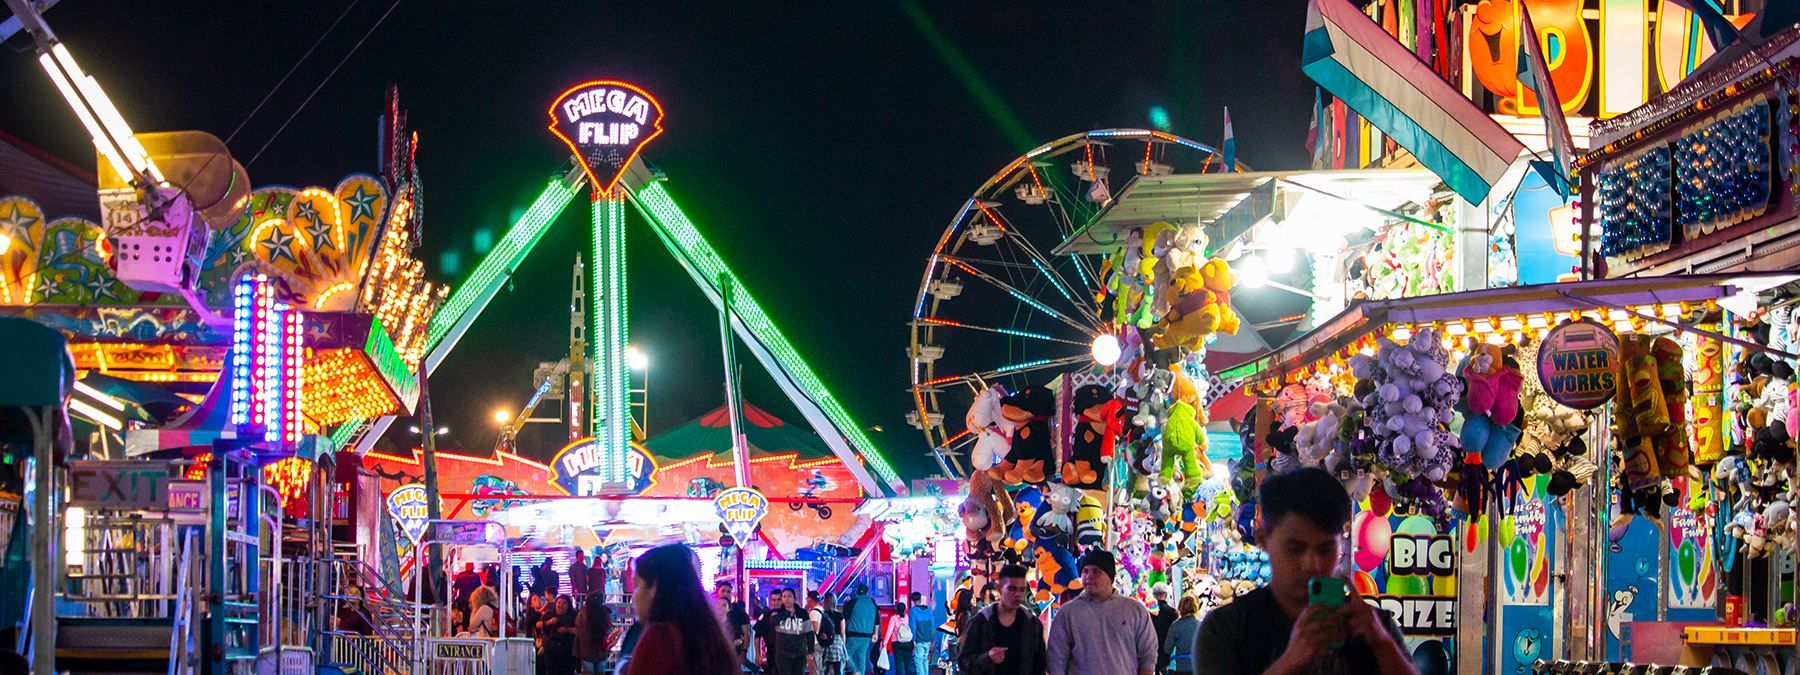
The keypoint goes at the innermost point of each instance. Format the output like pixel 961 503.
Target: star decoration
pixel 14 224
pixel 281 245
pixel 101 288
pixel 321 235
pixel 305 211
pixel 362 204
pixel 238 256
pixel 49 286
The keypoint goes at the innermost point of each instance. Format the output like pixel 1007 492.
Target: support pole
pixel 435 558
pixel 47 559
pixel 609 312
pixel 740 451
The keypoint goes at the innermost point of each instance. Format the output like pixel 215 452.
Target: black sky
pixel 822 149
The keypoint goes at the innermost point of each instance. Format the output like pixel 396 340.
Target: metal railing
pixel 290 604
pixel 356 588
pixel 368 653
pixel 181 639
pixel 125 567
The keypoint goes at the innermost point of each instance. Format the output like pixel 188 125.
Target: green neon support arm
pixel 472 297
pixel 754 327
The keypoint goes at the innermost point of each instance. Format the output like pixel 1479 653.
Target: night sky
pixel 822 151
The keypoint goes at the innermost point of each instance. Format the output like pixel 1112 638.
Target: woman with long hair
pixel 557 632
pixel 681 635
pixel 1180 652
pixel 484 617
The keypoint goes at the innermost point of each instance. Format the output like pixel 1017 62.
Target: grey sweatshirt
pixel 1090 637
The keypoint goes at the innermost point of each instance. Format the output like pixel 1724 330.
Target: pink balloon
pixel 1372 535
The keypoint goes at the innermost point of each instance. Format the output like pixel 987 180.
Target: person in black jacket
pixel 1004 638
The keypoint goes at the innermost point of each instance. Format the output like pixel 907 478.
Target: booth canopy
pixel 1365 317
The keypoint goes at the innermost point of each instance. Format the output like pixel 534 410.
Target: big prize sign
pixel 606 123
pixel 741 509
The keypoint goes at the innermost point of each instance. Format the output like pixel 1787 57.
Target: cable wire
pixel 322 83
pixel 290 72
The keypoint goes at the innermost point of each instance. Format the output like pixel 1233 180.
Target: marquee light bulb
pixel 1106 350
pixel 1280 259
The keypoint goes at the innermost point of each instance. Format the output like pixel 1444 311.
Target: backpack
pixel 828 628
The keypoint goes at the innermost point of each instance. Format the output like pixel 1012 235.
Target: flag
pixel 1719 30
pixel 1352 58
pixel 1312 130
pixel 1534 74
pixel 1230 145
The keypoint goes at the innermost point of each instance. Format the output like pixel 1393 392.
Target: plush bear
pixel 993 431
pixel 1032 458
pixel 986 514
pixel 1199 312
pixel 1056 571
pixel 1089 442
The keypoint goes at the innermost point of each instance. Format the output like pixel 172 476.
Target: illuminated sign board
pixel 409 505
pixel 1579 364
pixel 576 470
pixel 741 509
pixel 606 123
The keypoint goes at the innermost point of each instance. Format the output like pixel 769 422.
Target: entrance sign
pixel 606 123
pixel 741 508
pixel 1579 364
pixel 459 650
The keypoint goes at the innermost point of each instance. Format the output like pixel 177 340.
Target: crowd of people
pixel 1098 631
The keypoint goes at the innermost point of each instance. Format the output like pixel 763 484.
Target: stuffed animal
pixel 1153 399
pixel 1182 442
pixel 1159 501
pixel 985 513
pixel 1088 451
pixel 1406 401
pixel 1649 414
pixel 1032 457
pixel 1089 519
pixel 993 431
pixel 1056 520
pixel 1317 439
pixel 1202 311
pixel 1056 570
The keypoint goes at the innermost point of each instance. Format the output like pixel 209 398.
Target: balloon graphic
pixel 1527 644
pixel 1507 531
pixel 1380 503
pixel 1518 556
pixel 1416 525
pixel 1373 535
pixel 1408 586
pixel 1644 569
pixel 1685 564
pixel 1431 658
pixel 1364 584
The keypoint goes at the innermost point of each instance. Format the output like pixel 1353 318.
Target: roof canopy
pixel 710 434
pixel 1366 317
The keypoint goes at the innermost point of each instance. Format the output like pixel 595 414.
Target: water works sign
pixel 1579 364
pixel 577 470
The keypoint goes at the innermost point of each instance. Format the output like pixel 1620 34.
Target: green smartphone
pixel 1327 591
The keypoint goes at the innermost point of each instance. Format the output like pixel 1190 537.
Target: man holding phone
pixel 1294 626
pixel 1003 638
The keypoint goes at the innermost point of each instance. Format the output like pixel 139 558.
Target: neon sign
pixel 265 363
pixel 576 470
pixel 741 509
pixel 408 504
pixel 606 123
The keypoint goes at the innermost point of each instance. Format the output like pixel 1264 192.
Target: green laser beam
pixel 971 80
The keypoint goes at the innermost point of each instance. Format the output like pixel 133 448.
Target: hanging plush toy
pixel 1491 405
pixel 1056 520
pixel 1032 457
pixel 1650 417
pixel 1184 441
pixel 1198 312
pixel 1089 446
pixel 1056 570
pixel 985 515
pixel 1089 519
pixel 992 430
pixel 1407 405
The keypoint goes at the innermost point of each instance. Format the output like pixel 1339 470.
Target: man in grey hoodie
pixel 1101 632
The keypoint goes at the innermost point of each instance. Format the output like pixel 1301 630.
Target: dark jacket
pixel 978 638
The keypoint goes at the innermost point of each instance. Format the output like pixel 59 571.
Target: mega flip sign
pixel 606 123
pixel 741 509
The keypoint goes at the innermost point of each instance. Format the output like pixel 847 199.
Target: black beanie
pixel 1101 559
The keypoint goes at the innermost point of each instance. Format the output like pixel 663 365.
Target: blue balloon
pixel 1431 657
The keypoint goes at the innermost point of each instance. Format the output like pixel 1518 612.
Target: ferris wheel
pixel 1003 300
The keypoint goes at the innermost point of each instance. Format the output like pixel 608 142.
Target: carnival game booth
pixel 1492 438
